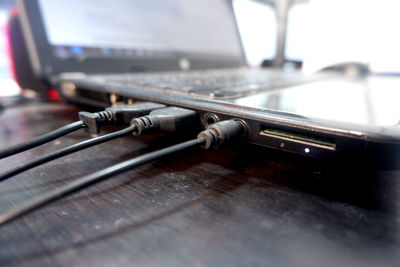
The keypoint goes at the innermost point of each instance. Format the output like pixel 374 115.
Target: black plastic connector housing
pixel 116 116
pixel 165 120
pixel 94 121
pixel 222 132
pixel 122 115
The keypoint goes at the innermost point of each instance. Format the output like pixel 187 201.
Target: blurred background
pixel 7 84
pixel 304 35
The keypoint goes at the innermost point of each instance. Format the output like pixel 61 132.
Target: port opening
pixel 210 119
pixel 105 98
pixel 301 138
pixel 92 95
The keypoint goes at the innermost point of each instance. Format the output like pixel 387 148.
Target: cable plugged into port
pixel 223 132
pixel 165 120
pixel 215 135
pixel 116 116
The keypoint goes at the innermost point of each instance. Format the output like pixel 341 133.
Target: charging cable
pixel 215 135
pixel 160 120
pixel 91 121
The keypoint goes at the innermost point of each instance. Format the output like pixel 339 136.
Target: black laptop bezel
pixel 46 64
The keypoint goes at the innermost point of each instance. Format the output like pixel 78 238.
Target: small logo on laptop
pixel 184 64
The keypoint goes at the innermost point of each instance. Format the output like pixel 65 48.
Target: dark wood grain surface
pixel 235 206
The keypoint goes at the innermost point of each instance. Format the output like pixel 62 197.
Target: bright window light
pixel 257 26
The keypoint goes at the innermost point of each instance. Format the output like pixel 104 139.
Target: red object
pixel 53 94
pixel 19 63
pixel 6 33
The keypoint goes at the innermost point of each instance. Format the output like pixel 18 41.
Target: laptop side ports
pixel 299 143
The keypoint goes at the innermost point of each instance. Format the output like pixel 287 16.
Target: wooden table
pixel 235 206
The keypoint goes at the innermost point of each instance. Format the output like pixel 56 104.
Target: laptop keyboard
pixel 209 83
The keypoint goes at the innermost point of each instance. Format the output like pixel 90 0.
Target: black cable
pixel 40 140
pixel 66 151
pixel 215 135
pixel 163 119
pixel 94 178
pixel 116 116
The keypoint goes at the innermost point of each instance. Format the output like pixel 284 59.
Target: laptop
pixel 188 53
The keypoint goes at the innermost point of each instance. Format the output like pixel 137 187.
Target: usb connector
pixel 116 116
pixel 165 120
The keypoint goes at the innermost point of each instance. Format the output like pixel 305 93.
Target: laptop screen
pixel 140 28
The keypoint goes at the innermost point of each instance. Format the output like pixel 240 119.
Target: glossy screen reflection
pixel 369 101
